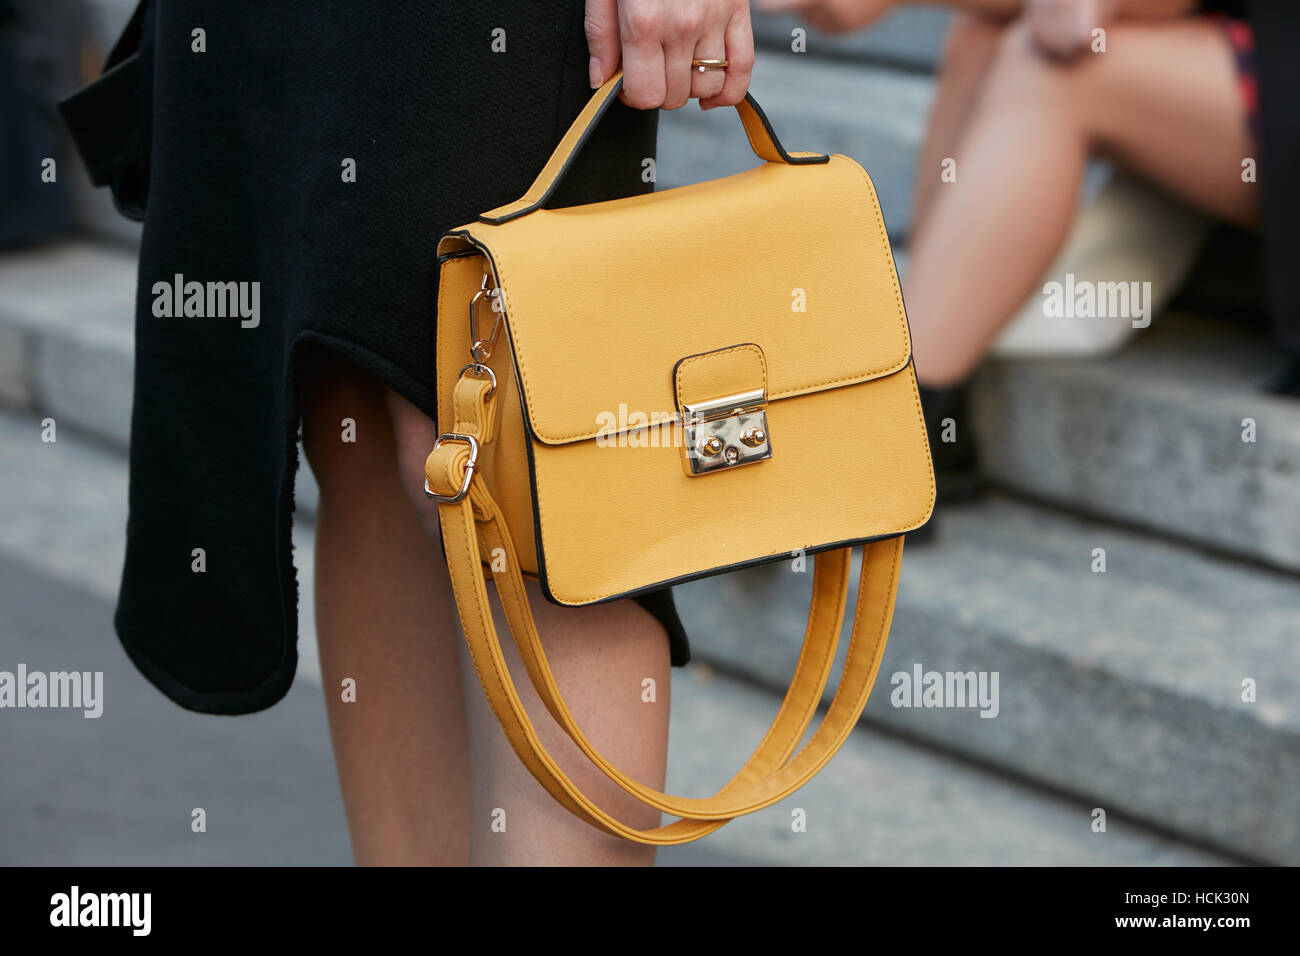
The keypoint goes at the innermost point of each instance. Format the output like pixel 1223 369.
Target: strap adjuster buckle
pixel 472 442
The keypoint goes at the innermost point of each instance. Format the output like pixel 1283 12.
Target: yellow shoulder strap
pixel 770 774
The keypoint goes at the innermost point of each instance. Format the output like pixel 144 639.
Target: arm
pixel 837 16
pixel 1063 28
pixel 834 16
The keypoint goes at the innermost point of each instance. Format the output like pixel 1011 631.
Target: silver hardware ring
pixel 480 368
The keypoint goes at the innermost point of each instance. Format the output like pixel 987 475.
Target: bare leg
pixel 384 619
pixel 600 656
pixel 1162 101
pixel 968 52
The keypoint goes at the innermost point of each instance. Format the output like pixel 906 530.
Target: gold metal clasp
pixel 480 349
pixel 726 432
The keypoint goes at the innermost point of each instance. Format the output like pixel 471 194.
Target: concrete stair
pixel 907 39
pixel 62 520
pixel 1122 687
pixel 66 335
pixel 1153 437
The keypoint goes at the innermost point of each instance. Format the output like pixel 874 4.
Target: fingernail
pixel 594 72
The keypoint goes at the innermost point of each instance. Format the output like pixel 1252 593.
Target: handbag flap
pixel 602 301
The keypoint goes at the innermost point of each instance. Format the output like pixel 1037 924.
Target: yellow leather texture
pixel 720 373
pixel 770 774
pixel 595 332
pixel 504 461
pixel 592 323
pixel 843 468
pixel 778 279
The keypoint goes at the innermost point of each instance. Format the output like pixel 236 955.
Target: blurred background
pixel 1119 691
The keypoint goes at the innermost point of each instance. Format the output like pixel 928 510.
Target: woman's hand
pixel 656 40
pixel 833 16
pixel 1063 28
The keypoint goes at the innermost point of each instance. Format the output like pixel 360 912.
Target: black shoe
pixel 956 462
pixel 952 444
pixel 1288 383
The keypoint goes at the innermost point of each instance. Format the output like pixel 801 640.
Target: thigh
pixel 387 638
pixel 969 51
pixel 1164 101
pixel 602 657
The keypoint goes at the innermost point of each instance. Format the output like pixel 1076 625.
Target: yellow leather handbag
pixel 654 389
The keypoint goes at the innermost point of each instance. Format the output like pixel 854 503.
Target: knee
pixel 971 39
pixel 414 434
pixel 346 435
pixel 1020 76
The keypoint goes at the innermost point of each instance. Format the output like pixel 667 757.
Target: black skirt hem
pixel 272 688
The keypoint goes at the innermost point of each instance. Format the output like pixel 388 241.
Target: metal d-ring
pixel 480 367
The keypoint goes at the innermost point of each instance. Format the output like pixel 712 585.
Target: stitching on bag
pixel 493 259
pixel 884 238
pixel 586 599
pixel 797 390
pixel 925 442
pixel 646 793
pixel 877 647
pixel 744 123
pixel 812 614
pixel 781 789
pixel 696 359
pixel 839 736
pixel 438 339
pixel 842 734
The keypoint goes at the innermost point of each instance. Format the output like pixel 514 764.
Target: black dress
pixel 233 131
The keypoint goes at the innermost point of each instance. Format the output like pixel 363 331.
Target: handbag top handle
pixel 762 139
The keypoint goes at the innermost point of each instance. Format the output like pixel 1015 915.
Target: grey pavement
pixel 121 788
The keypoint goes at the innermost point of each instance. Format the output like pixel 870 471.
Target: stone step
pixel 1123 687
pixel 909 38
pixel 1153 436
pixel 66 335
pixel 883 800
pixel 1150 436
pixel 67 353
pixel 67 341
